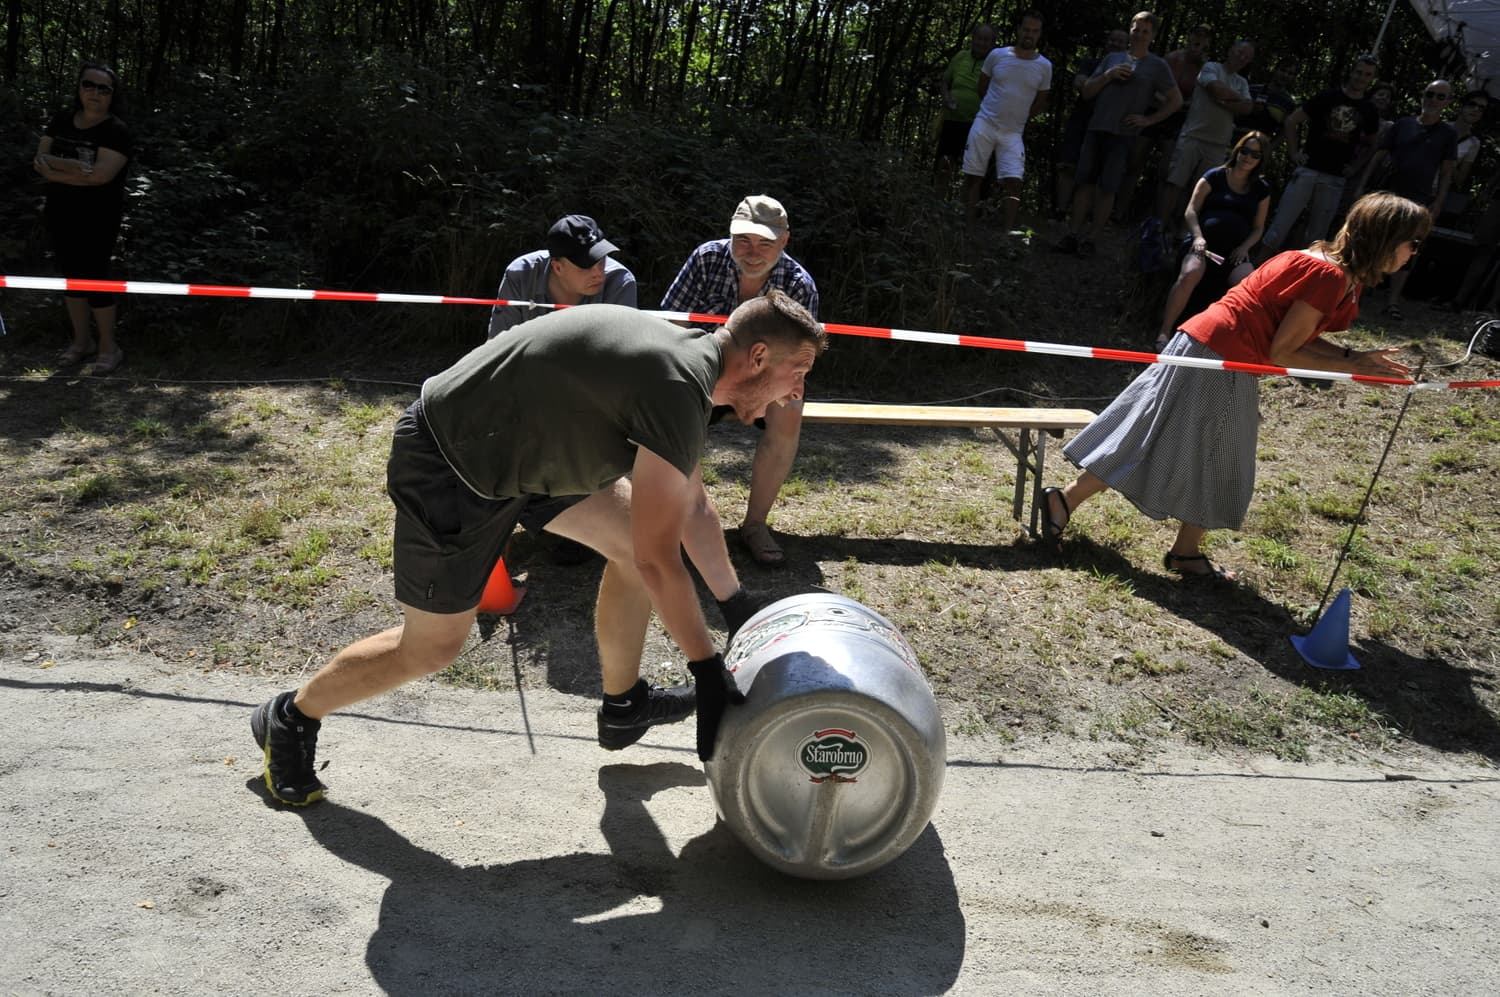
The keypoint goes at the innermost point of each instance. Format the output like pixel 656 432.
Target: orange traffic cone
pixel 500 596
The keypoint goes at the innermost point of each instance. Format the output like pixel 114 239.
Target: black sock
pixel 291 714
pixel 629 702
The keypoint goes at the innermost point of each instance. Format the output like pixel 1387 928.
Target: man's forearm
pixel 675 600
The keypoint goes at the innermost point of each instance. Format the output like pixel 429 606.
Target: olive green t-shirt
pixel 558 405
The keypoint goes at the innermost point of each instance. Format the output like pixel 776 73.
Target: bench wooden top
pixel 946 415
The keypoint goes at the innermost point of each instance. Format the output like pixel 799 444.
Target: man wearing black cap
pixel 574 269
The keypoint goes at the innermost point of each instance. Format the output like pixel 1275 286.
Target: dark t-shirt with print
pixel 1334 121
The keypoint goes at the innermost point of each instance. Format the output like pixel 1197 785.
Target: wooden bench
pixel 1029 446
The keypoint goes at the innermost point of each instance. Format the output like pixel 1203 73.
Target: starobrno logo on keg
pixel 832 755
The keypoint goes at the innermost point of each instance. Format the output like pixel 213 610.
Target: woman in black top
pixel 84 156
pixel 1225 218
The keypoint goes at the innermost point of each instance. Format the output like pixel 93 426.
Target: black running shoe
pixel 662 706
pixel 289 749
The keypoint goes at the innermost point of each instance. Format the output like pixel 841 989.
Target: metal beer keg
pixel 833 765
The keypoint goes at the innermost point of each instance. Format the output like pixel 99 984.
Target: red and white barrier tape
pixel 834 328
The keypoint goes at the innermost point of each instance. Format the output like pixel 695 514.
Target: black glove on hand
pixel 716 689
pixel 740 607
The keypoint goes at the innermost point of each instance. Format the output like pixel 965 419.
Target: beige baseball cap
pixel 759 215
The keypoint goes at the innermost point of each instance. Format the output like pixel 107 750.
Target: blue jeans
pixel 1322 191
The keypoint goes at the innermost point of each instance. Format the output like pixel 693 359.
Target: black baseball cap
pixel 577 239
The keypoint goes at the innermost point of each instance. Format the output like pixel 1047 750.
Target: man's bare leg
pixel 286 727
pixel 621 615
pixel 623 610
pixel 1011 201
pixel 423 644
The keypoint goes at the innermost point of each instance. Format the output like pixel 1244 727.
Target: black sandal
pixel 1170 561
pixel 1052 531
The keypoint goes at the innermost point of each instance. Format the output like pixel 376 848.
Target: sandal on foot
pixel 1052 530
pixel 1174 562
pixel 75 355
pixel 107 362
pixel 762 546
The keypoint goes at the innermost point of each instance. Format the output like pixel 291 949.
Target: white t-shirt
pixel 1014 84
pixel 1207 119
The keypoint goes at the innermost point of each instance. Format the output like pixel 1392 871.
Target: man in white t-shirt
pixel 1221 94
pixel 1014 85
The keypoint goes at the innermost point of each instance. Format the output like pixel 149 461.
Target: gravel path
pixel 139 857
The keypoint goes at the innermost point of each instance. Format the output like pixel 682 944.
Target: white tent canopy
pixel 1472 27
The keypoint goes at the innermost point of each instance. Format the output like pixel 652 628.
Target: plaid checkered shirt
pixel 708 282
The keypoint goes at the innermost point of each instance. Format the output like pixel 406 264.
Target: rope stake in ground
pixel 834 328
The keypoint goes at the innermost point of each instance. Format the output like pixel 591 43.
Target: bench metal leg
pixel 1030 450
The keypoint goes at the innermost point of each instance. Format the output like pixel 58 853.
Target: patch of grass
pixel 96 488
pixel 1128 666
pixel 260 523
pixel 795 486
pixel 1108 591
pixel 1274 554
pixel 150 428
pixel 310 549
pixel 1132 722
pixel 967 516
pixel 1334 506
pixel 362 417
pixel 381 551
pixel 1449 459
pixel 1283 724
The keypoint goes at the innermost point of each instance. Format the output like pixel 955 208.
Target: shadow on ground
pixel 640 919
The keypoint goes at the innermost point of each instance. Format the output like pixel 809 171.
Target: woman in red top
pixel 1179 442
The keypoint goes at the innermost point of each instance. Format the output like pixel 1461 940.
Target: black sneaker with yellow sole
pixel 290 747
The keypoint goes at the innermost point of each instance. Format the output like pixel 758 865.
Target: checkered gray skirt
pixel 1179 442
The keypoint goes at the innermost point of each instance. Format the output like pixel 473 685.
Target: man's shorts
pixel 952 138
pixel 1104 160
pixel 448 538
pixel 1008 150
pixel 1191 158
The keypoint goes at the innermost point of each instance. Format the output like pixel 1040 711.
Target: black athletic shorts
pixel 447 538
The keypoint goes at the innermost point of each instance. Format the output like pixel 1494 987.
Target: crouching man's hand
pixel 716 690
pixel 740 607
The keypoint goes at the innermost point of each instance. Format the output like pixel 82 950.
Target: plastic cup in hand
pixel 86 157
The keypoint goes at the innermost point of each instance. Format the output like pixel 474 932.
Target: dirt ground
pixel 468 847
pixel 173 549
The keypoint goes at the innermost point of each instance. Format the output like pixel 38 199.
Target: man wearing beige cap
pixel 576 268
pixel 715 279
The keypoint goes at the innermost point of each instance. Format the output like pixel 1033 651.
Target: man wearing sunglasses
pixel 1416 159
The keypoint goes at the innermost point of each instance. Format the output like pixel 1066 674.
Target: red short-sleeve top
pixel 1241 325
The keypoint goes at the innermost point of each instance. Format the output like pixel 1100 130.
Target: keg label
pixel 832 755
